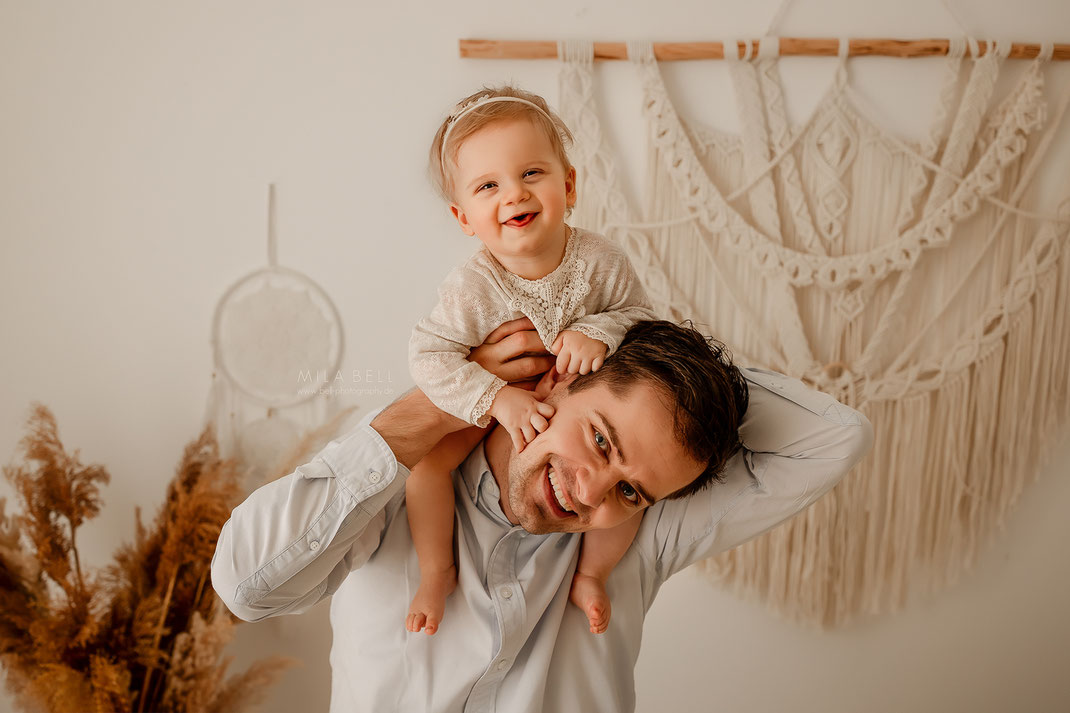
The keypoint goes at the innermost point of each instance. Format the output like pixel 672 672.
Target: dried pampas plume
pixel 145 634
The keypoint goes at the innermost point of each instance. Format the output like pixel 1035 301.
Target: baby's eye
pixel 600 441
pixel 489 184
pixel 531 172
pixel 629 493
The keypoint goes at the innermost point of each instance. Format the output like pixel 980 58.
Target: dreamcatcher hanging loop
pixel 276 337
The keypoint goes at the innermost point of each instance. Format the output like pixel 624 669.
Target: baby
pixel 500 162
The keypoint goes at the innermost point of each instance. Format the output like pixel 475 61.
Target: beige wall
pixel 136 141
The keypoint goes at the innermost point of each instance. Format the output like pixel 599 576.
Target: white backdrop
pixel 136 144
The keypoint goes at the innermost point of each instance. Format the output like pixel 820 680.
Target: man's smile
pixel 559 503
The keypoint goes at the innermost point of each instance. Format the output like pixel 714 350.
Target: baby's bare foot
pixel 589 594
pixel 427 606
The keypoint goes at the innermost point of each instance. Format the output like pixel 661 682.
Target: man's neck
pixel 498 449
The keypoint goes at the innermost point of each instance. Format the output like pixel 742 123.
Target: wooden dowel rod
pixel 789 46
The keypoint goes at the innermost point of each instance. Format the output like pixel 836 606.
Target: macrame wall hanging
pixel 276 340
pixel 916 282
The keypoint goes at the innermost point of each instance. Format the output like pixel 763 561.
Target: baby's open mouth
pixel 519 221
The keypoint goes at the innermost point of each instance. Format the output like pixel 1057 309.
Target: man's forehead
pixel 625 401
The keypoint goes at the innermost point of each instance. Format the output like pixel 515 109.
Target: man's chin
pixel 537 524
pixel 531 522
pixel 529 517
pixel 536 529
pixel 542 528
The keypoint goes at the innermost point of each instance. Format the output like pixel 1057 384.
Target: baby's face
pixel 511 191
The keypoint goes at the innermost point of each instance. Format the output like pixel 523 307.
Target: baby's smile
pixel 520 220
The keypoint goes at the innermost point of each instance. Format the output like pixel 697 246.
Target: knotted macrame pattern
pixel 914 281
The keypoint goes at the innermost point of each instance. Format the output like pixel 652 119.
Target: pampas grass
pixel 144 634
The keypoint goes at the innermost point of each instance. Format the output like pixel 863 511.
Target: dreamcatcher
pixel 276 340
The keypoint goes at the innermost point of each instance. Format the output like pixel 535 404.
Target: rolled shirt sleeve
pixel 293 541
pixel 617 295
pixel 797 444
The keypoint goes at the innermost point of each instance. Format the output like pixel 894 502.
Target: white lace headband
pixel 475 104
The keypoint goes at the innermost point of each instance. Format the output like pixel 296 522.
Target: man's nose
pixel 594 483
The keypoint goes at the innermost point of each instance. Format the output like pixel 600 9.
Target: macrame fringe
pixel 917 523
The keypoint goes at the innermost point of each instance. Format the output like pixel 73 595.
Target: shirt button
pixel 506 593
pixel 503 664
pixel 375 476
pixel 314 545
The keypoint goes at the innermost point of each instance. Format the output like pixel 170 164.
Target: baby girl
pixel 500 162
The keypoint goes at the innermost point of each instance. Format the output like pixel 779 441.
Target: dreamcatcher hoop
pixel 270 330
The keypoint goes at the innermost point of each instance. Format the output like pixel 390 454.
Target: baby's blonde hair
pixel 443 160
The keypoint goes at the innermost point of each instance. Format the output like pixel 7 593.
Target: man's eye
pixel 630 493
pixel 600 441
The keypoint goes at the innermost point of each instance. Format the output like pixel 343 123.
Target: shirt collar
pixel 481 485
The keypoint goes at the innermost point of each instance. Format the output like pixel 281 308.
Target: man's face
pixel 603 459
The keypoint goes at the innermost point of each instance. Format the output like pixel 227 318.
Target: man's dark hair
pixel 708 394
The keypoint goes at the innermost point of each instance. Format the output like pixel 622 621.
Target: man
pixel 635 435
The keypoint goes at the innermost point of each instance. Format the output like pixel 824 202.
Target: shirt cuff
pixel 364 465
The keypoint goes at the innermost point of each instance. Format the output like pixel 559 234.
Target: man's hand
pixel 412 424
pixel 577 353
pixel 522 415
pixel 515 353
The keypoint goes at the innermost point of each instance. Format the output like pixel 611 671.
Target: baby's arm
pixel 616 302
pixel 600 552
pixel 617 299
pixel 577 353
pixel 469 308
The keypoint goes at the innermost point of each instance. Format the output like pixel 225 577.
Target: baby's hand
pixel 578 353
pixel 523 415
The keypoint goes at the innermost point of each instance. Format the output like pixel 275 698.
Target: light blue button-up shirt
pixel 510 641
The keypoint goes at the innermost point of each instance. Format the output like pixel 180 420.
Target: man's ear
pixel 462 219
pixel 551 381
pixel 570 187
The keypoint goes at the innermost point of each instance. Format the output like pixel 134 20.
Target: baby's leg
pixel 429 504
pixel 600 552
